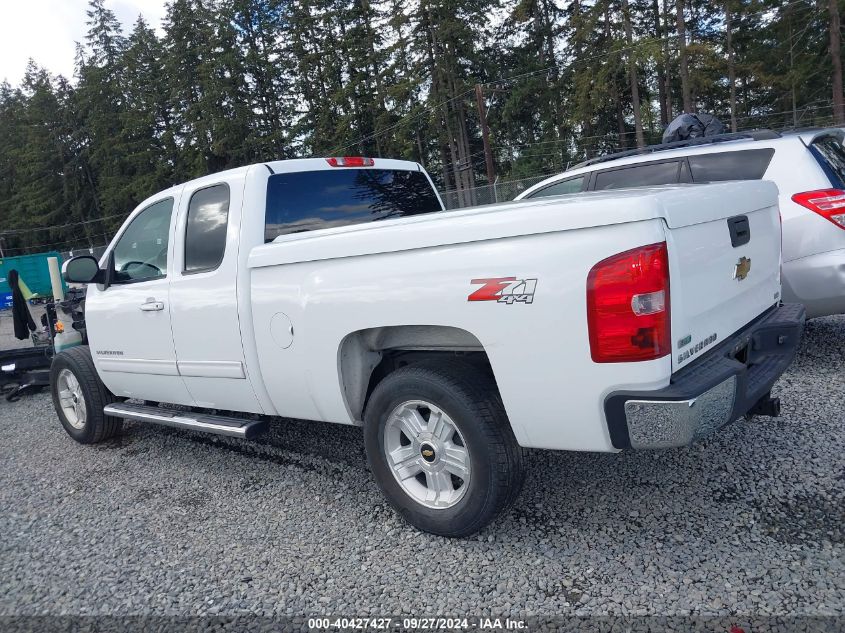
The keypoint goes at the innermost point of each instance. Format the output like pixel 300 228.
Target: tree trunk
pixel 836 62
pixel 620 114
pixel 632 74
pixel 682 52
pixel 665 112
pixel 380 101
pixel 731 68
pixel 667 61
pixel 794 103
pixel 444 142
pixel 582 95
pixel 613 87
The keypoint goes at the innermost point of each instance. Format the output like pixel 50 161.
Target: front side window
pixel 748 164
pixel 141 252
pixel 311 200
pixel 643 175
pixel 571 185
pixel 205 233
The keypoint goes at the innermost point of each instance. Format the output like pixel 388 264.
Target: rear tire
pixel 441 447
pixel 79 397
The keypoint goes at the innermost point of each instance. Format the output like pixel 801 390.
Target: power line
pixel 47 246
pixel 579 143
pixel 402 121
pixel 60 226
pixel 504 82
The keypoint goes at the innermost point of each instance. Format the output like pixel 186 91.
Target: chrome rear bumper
pixel 711 392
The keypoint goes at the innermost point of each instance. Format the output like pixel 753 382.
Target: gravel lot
pixel 166 522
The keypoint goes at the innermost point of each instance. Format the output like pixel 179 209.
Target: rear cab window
pixel 830 154
pixel 311 200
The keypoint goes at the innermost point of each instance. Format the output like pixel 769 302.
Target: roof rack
pixel 755 135
pixel 805 130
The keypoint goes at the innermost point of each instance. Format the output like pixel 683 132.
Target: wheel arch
pixel 366 356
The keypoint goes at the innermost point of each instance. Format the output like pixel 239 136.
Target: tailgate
pixel 724 243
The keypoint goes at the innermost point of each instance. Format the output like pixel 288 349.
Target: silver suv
pixel 807 166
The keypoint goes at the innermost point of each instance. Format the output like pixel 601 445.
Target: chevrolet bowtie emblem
pixel 743 267
pixel 428 452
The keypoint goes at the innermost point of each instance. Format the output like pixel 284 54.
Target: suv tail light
pixel 628 306
pixel 828 203
pixel 350 161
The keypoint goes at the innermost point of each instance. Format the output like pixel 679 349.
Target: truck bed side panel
pixel 539 351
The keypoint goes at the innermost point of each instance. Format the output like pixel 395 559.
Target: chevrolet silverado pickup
pixel 338 290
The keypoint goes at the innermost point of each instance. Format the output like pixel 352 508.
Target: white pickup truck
pixel 337 290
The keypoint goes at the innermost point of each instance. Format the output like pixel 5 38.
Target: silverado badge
pixel 743 267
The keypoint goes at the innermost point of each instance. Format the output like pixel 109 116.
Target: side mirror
pixel 82 270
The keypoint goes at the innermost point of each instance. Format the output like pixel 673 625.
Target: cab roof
pixel 300 164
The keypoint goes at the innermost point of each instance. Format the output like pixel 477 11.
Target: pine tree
pixel 211 118
pixel 146 130
pixel 40 175
pixel 237 81
pixel 531 112
pixel 450 33
pixel 100 99
pixel 267 68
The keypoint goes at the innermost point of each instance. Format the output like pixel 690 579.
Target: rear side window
pixel 644 175
pixel 310 200
pixel 748 164
pixel 205 235
pixel 829 152
pixel 571 185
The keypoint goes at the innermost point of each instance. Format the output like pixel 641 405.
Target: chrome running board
pixel 218 424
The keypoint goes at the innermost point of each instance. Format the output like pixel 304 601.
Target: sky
pixel 47 31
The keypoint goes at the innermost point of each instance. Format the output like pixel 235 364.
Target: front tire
pixel 79 397
pixel 441 448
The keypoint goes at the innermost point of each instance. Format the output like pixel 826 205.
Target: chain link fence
pixel 500 191
pixel 96 251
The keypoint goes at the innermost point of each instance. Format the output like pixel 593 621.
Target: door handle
pixel 151 305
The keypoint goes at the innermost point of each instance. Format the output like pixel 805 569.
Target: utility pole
pixel 485 135
pixel 2 241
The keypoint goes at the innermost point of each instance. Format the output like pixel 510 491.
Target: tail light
pixel 350 161
pixel 628 306
pixel 828 203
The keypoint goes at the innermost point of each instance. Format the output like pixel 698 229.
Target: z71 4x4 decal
pixel 507 290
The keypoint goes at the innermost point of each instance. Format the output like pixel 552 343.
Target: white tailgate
pixel 709 302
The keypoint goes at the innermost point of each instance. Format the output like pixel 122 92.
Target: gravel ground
pixel 749 523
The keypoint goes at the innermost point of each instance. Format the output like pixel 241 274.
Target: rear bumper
pixel 817 281
pixel 714 390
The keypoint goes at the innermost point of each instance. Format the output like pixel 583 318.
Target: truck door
pixel 129 322
pixel 205 319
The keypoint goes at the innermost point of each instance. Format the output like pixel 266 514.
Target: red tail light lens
pixel 628 306
pixel 350 161
pixel 828 203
